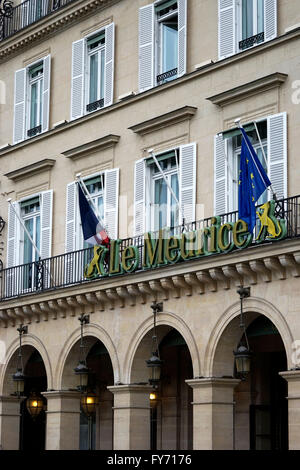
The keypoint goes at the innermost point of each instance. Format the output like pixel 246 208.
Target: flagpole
pixel 85 190
pixel 167 183
pixel 237 121
pixel 30 238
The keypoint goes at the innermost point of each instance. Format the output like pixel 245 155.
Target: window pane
pixel 247 24
pixel 160 201
pixel 34 105
pixel 37 236
pixel 93 78
pixel 264 197
pixel 102 74
pixel 170 46
pixel 260 16
pixel 27 243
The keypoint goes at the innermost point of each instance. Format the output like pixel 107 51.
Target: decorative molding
pixel 241 92
pixel 84 150
pixel 164 120
pixel 32 169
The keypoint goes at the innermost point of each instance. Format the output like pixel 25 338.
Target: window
pixel 104 190
pixel 30 213
pixel 164 207
pixel 35 77
pixel 252 23
pixel 162 42
pixel 156 195
pixel 92 72
pixel 271 150
pixel 244 24
pixel 31 100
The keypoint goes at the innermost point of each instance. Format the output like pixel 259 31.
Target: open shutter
pixel 111 201
pixel 277 153
pixel 109 64
pixel 227 29
pixel 11 278
pixel 46 92
pixel 70 241
pixel 220 176
pixel 146 47
pixel 77 91
pixel 270 19
pixel 139 197
pixel 19 107
pixel 182 37
pixel 46 223
pixel 187 181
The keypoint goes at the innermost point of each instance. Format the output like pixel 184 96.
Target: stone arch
pixel 92 331
pixel 9 368
pixel 141 340
pixel 218 359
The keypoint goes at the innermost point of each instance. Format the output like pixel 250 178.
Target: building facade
pixel 141 99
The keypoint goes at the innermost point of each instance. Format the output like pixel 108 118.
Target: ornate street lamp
pixel 243 354
pixel 155 363
pixel 89 402
pixel 81 370
pixel 34 404
pixel 18 376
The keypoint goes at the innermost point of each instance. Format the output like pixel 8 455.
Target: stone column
pixel 131 417
pixel 293 379
pixel 213 413
pixel 10 422
pixel 63 420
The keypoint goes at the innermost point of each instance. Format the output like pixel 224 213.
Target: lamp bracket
pixel 84 319
pixel 23 329
pixel 244 292
pixel 157 307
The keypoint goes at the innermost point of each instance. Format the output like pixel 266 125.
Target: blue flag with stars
pixel 253 181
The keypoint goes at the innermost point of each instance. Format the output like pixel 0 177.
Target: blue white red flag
pixel 94 231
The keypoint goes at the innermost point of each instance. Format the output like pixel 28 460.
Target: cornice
pixel 50 24
pixel 92 147
pixel 32 169
pixel 246 90
pixel 164 120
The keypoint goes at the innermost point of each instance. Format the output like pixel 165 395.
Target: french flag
pixel 94 232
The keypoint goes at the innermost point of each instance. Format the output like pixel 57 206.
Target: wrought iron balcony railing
pixel 163 77
pixel 249 42
pixel 68 269
pixel 13 19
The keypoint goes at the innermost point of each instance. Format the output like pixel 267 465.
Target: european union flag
pixel 253 181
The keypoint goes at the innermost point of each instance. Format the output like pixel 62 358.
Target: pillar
pixel 131 417
pixel 63 420
pixel 213 413
pixel 9 422
pixel 293 379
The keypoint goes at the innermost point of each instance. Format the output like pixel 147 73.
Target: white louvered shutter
pixel 77 88
pixel 70 241
pixel 227 28
pixel 111 202
pixel 46 92
pixel 109 64
pixel 12 236
pixel 220 176
pixel 270 19
pixel 187 181
pixel 46 223
pixel 139 197
pixel 19 105
pixel 146 47
pixel 182 37
pixel 277 153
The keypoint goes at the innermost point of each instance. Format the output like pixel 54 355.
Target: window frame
pixel 39 79
pixel 100 51
pixel 159 44
pixel 239 25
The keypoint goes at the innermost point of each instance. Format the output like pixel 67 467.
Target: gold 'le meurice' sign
pixel 170 249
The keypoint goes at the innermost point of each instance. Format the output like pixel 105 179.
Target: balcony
pixel 14 19
pixel 69 269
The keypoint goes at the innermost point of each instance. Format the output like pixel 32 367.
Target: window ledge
pixel 252 88
pixel 164 120
pixel 92 147
pixel 32 169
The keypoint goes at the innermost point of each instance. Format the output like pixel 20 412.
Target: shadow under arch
pixel 218 359
pixel 64 374
pixel 6 383
pixel 139 350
